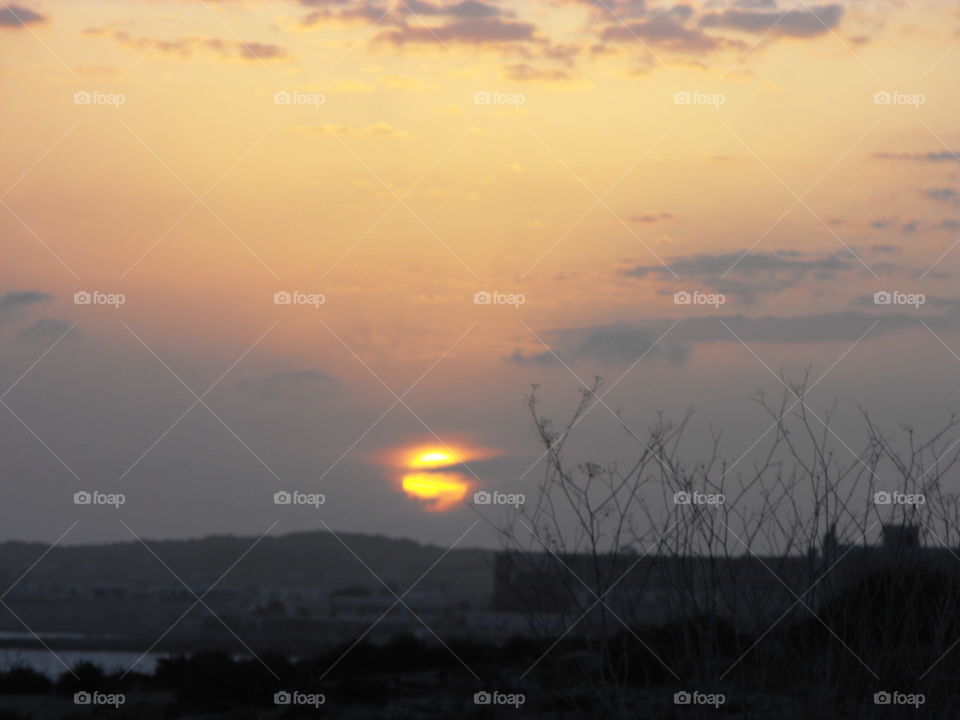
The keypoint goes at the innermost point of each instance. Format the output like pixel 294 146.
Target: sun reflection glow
pixel 431 478
pixel 437 491
pixel 434 458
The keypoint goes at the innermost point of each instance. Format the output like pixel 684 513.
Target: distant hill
pixel 307 559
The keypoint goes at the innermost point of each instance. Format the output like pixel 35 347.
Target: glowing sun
pixel 434 458
pixel 432 479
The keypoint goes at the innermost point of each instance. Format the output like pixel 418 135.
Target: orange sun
pixel 433 481
pixel 434 458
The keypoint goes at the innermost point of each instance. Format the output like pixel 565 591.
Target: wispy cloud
pixel 185 47
pixel 803 23
pixel 17 16
pixel 20 298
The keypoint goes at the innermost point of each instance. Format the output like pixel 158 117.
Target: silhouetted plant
pixel 20 680
pixel 748 588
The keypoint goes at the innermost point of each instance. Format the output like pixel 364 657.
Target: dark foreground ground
pixel 796 673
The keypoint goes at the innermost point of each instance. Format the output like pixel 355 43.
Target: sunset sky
pixel 580 161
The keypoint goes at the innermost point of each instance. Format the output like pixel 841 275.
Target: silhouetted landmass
pixel 308 559
pixel 413 678
pixel 280 595
pixel 882 619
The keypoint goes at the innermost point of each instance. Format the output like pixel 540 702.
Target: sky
pixel 261 246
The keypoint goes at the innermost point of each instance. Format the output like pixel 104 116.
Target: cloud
pixel 483 31
pixel 628 342
pixel 748 261
pixel 13 303
pixel 16 16
pixel 345 12
pixel 466 9
pixel 933 157
pixel 952 304
pixel 249 50
pixel 527 71
pixel 908 227
pixel 613 8
pixel 564 53
pixel 650 217
pixel 17 299
pixel 668 31
pixel 949 225
pixel 397 14
pixel 380 129
pixel 805 23
pixel 476 23
pixel 748 274
pixel 562 57
pixel 619 343
pixel 844 326
pixel 942 195
pixel 44 329
pixel 185 47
